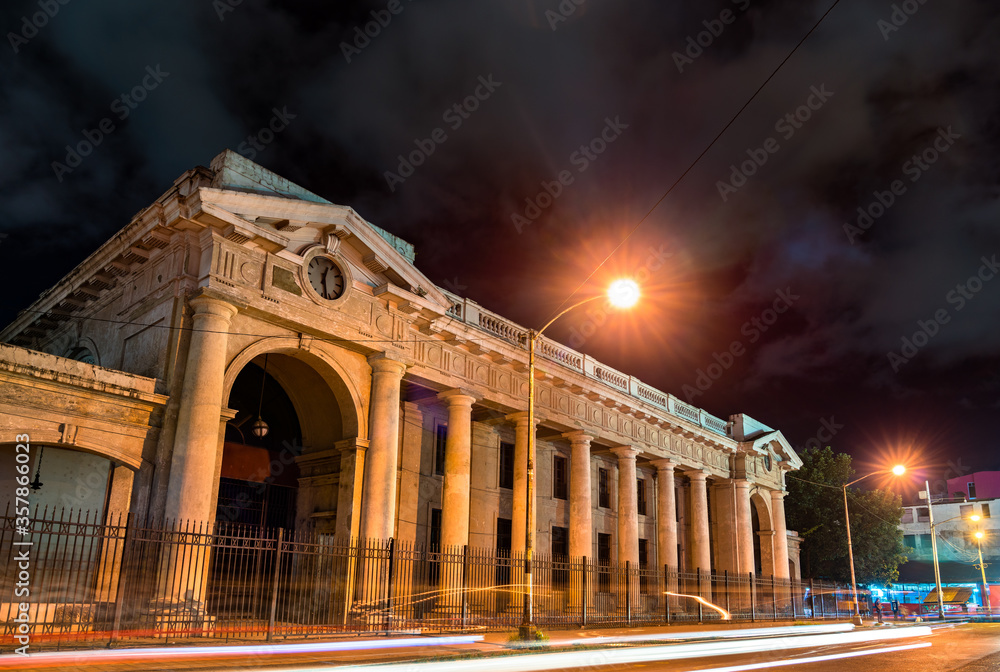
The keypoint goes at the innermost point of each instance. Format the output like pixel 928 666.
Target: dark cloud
pixel 860 294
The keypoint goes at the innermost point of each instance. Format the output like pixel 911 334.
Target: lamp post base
pixel 527 632
pixel 857 621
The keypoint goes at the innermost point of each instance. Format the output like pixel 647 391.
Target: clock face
pixel 326 278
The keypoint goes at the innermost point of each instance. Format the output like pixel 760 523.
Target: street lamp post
pixel 621 294
pixel 982 568
pixel 937 567
pixel 898 471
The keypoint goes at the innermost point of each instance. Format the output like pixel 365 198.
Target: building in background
pixel 957 546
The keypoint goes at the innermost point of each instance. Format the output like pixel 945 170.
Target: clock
pixel 326 278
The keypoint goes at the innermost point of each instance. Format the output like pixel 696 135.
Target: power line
pixel 697 159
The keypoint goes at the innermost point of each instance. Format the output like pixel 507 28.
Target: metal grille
pixel 93 583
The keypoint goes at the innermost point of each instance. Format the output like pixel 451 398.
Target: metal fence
pixel 99 582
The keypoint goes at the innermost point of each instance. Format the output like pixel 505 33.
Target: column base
pixel 180 617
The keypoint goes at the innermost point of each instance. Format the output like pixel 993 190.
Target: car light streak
pixel 161 653
pixel 570 659
pixel 744 633
pixel 814 659
pixel 725 614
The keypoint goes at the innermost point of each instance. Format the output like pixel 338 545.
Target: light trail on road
pixel 567 660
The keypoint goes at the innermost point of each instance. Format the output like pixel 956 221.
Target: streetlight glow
pixel 979 535
pixel 623 293
pixel 898 470
pixel 974 517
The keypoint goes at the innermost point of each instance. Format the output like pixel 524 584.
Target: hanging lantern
pixel 259 428
pixel 37 483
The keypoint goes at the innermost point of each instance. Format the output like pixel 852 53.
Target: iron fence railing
pixel 100 582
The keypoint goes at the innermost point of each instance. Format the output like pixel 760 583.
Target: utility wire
pixel 697 159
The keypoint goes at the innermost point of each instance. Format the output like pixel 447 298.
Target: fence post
pixel 753 601
pixel 701 613
pixel 812 598
pixel 628 594
pixel 465 586
pixel 774 601
pixel 666 593
pixel 388 584
pixel 583 590
pixel 725 578
pixel 123 568
pixel 274 585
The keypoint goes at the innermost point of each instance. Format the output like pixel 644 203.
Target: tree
pixel 815 508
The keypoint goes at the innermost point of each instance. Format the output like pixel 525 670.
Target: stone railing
pixel 475 315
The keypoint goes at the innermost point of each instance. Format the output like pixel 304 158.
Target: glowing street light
pixel 623 293
pixel 898 470
pixel 934 554
pixel 982 568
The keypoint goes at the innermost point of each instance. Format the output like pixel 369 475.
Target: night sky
pixel 759 249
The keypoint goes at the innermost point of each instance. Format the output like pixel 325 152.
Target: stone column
pixel 196 441
pixel 744 528
pixel 581 525
pixel 628 516
pixel 666 527
pixel 350 487
pixel 666 514
pixel 379 497
pixel 520 494
pixel 192 482
pixel 780 534
pixel 701 552
pixel 455 498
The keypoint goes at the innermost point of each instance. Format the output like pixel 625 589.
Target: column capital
pixel 665 464
pixel 579 436
pixel 458 397
pixel 697 474
pixel 354 444
pixel 386 362
pixel 625 452
pixel 521 418
pixel 777 495
pixel 742 484
pixel 209 305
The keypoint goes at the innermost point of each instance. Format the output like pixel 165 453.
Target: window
pixel 559 482
pixel 603 560
pixel 503 551
pixel 640 496
pixel 965 510
pixel 643 565
pixel 986 510
pixel 434 568
pixel 506 465
pixel 440 438
pixel 971 486
pixel 909 541
pixel 560 551
pixel 604 489
pixel 677 509
pixel 924 541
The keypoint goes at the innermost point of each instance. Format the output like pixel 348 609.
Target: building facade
pixel 245 350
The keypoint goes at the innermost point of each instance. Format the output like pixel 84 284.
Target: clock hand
pixel 323 281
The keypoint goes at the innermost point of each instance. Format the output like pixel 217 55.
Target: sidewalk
pixel 201 655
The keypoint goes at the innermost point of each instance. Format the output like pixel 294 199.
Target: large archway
pixel 763 535
pixel 289 476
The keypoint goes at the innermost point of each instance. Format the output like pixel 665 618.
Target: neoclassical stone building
pixel 393 408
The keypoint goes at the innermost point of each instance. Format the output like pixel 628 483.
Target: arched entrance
pixel 291 476
pixel 763 535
